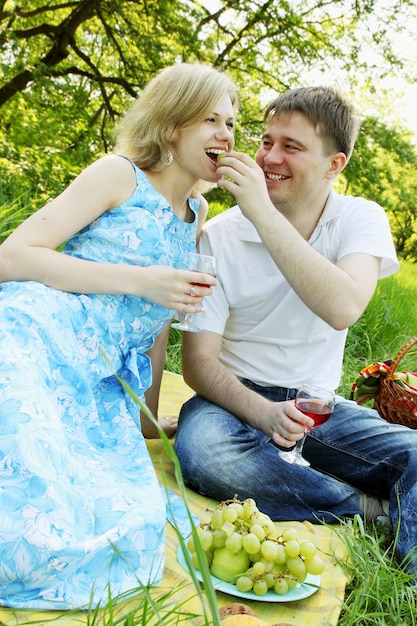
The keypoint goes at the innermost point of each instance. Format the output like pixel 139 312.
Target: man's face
pixel 294 162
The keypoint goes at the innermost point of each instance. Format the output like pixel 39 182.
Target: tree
pixel 71 67
pixel 383 167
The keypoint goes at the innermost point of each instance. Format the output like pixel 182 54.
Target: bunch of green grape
pixel 244 547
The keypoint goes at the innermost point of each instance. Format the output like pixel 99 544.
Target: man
pixel 298 264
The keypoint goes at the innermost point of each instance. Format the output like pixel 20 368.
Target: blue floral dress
pixel 81 510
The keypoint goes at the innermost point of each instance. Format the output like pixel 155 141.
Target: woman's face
pixel 196 148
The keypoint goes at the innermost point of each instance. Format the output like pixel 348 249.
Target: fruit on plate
pixel 244 547
pixel 228 566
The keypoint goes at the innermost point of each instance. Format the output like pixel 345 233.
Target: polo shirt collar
pixel 248 232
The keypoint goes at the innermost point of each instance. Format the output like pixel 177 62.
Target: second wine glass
pixel 197 263
pixel 317 403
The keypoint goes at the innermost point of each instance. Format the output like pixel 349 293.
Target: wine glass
pixel 317 403
pixel 197 263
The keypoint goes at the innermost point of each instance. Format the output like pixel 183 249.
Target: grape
pixel 267 524
pixel 206 540
pixel 292 548
pixel 260 587
pixel 269 565
pixel 297 568
pixel 307 549
pixel 238 507
pixel 219 538
pixel 269 579
pixel 292 583
pixel 269 550
pixel 250 503
pixel 281 554
pixel 259 568
pixel 281 568
pixel 230 514
pixel 228 528
pixel 251 543
pixel 289 533
pixel 280 586
pixel 249 508
pixel 314 565
pixel 257 530
pixel 273 532
pixel 263 555
pixel 217 519
pixel 234 542
pixel 244 584
pixel 253 557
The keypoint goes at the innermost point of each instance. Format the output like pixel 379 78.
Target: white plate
pixel 300 592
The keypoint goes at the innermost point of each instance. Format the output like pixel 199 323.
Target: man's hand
pixel 284 423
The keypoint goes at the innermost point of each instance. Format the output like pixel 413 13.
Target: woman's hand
pixel 174 288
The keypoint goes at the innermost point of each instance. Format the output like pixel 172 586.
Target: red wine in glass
pixel 317 403
pixel 204 284
pixel 318 413
pixel 197 263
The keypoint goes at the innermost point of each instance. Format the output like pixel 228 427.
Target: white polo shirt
pixel 269 335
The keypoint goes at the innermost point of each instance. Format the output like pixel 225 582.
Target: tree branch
pixel 62 36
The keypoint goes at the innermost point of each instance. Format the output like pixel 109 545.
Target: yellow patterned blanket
pixel 320 609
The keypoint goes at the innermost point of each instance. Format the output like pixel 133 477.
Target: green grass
pixel 378 591
pixel 388 322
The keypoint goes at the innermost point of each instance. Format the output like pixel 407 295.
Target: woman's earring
pixel 169 158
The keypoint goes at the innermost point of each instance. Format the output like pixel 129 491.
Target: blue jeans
pixel 354 452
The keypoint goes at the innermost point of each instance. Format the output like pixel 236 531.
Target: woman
pixel 80 506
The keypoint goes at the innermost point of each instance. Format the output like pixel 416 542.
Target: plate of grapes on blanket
pixel 249 557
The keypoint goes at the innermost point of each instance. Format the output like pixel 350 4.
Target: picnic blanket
pixel 320 609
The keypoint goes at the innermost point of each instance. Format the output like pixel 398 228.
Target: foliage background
pixel 69 69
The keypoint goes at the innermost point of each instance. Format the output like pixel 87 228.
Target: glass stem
pixel 300 445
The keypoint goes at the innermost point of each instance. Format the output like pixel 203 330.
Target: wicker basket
pixel 394 403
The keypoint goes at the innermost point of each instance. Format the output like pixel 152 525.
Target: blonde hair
pixel 178 97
